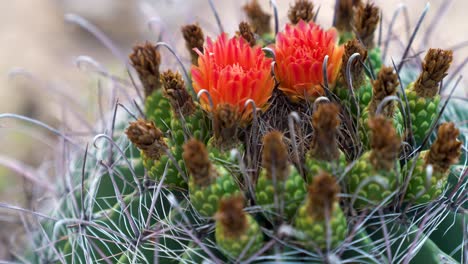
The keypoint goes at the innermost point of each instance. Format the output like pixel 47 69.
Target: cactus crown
pixel 232 217
pixel 446 149
pixel 365 23
pixel 246 32
pixel 259 19
pixel 147 137
pixel 194 39
pixel 385 143
pixel 132 203
pixel 322 195
pixel 434 69
pixel 198 163
pixel 146 60
pixel 385 85
pixel 301 10
pixel 325 121
pixel 275 156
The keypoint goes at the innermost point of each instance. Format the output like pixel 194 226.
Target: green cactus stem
pixel 207 184
pixel 320 219
pixel 237 233
pixel 380 164
pixel 443 153
pixel 423 95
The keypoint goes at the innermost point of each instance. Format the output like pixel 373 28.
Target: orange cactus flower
pixel 300 51
pixel 233 72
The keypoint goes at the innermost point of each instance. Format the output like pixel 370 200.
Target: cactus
pixel 219 177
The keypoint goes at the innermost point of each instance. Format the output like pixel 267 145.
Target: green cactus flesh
pixel 314 231
pixel 364 130
pixel 289 192
pixel 247 243
pixel 157 110
pixel 417 191
pixel 314 167
pixel 370 191
pixel 205 199
pixel 423 112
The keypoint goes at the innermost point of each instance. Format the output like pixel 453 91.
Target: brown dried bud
pixel 259 20
pixel 174 90
pixel 198 163
pixel 146 60
pixel 275 156
pixel 232 216
pixel 446 149
pixel 385 143
pixel 322 195
pixel 194 39
pixel 365 23
pixel 386 85
pixel 357 69
pixel 147 137
pixel 226 119
pixel 302 9
pixel 245 31
pixel 325 121
pixel 434 69
pixel 344 14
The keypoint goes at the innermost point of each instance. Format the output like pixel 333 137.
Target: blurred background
pixel 39 77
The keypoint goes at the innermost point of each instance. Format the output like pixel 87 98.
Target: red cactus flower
pixel 300 51
pixel 233 72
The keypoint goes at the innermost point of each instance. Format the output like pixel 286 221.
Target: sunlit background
pixel 39 77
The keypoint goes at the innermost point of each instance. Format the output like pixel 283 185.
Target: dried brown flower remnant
pixel 322 195
pixel 147 137
pixel 446 149
pixel 434 69
pixel 232 216
pixel 357 69
pixel 386 85
pixel 259 20
pixel 174 90
pixel 225 125
pixel 385 143
pixel 365 23
pixel 301 10
pixel 198 163
pixel 194 39
pixel 146 60
pixel 245 31
pixel 344 14
pixel 325 121
pixel 275 156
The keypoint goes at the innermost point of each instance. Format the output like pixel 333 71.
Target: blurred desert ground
pixel 34 36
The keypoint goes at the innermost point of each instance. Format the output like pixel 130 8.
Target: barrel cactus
pixel 307 150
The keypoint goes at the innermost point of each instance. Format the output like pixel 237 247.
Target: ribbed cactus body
pixel 315 230
pixel 314 167
pixel 289 193
pixel 418 182
pixel 362 94
pixel 205 199
pixel 248 242
pixel 364 131
pixel 370 192
pixel 423 113
pixel 196 126
pixel 375 58
pixel 157 110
